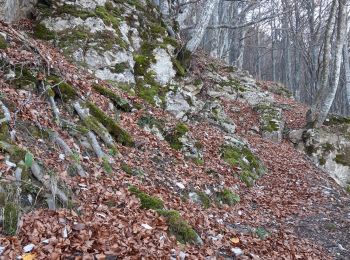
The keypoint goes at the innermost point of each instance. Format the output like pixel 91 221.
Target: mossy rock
pixel 106 165
pixel 343 157
pixel 3 42
pixel 63 90
pixel 147 201
pixel 180 228
pixel 147 92
pixel 173 138
pixel 337 120
pixel 150 121
pixel 108 16
pixel 4 129
pixel 43 33
pixel 171 41
pixel 73 11
pixel 179 68
pixel 234 84
pixel 24 78
pixel 16 153
pixel 241 156
pixel 119 102
pixel 228 197
pixel 204 198
pixel 120 67
pixel 269 117
pixel 184 57
pixel 111 125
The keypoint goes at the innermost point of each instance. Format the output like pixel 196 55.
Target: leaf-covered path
pixel 296 196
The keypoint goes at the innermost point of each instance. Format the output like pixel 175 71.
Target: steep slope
pixel 188 165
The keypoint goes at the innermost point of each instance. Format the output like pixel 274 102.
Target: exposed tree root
pixel 68 152
pixel 94 125
pixel 37 172
pixel 95 145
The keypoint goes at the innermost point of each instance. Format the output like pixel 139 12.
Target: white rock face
pixel 177 104
pixel 106 74
pixel 330 150
pixel 163 68
pixel 124 30
pixel 86 4
pixel 12 10
pixel 93 24
pixel 100 62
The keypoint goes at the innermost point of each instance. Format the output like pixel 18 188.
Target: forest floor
pixel 294 211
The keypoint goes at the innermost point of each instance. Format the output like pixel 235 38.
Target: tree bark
pixel 202 24
pixel 328 95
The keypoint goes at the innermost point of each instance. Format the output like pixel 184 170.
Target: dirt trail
pixel 298 198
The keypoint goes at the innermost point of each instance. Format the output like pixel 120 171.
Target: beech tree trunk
pixel 347 71
pixel 327 94
pixel 202 24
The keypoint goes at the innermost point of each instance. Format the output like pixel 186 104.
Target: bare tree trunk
pixel 202 24
pixel 313 112
pixel 286 45
pixel 329 95
pixel 346 63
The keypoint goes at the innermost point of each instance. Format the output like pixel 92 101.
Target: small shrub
pixel 147 201
pixel 11 214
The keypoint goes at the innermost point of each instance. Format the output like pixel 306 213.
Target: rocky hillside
pixel 112 145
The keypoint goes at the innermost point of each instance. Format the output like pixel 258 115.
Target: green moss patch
pixel 3 42
pixel 178 227
pixel 62 89
pixel 337 120
pixel 106 166
pixel 4 129
pixel 343 157
pixel 147 87
pixel 24 78
pixel 228 197
pixel 261 233
pixel 16 153
pixel 269 117
pixel 240 156
pixel 120 67
pixel 234 84
pixel 147 201
pixel 41 32
pixel 173 138
pixel 119 102
pixel 204 198
pixel 126 168
pixel 179 68
pixel 151 122
pixel 327 147
pixel 73 11
pixel 111 125
pixel 11 214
